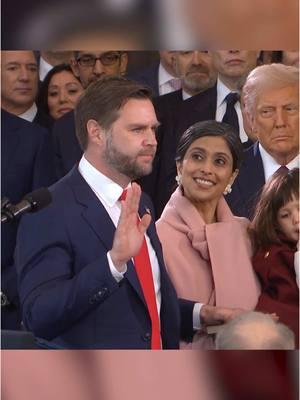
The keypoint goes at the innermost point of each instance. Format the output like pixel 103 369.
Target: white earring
pixel 227 190
pixel 178 179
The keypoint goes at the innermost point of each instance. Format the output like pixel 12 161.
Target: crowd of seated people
pixel 227 121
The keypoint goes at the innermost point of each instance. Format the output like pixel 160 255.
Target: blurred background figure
pixel 59 91
pixel 87 66
pixel 271 98
pixel 161 77
pixel 254 331
pixel 19 86
pixel 48 59
pixel 286 57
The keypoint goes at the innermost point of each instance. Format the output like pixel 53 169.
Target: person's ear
pixel 233 177
pixel 123 63
pixel 75 67
pixel 95 132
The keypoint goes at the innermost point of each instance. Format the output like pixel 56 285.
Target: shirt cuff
pixel 115 273
pixel 196 316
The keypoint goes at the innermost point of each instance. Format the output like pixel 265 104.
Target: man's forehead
pixel 95 53
pixel 280 94
pixel 18 57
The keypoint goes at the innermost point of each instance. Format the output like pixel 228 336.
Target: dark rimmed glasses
pixel 106 59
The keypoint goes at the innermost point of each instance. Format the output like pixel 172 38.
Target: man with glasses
pixel 88 66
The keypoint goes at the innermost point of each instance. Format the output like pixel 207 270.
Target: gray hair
pixel 255 331
pixel 270 76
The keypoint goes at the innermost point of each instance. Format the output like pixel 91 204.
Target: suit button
pixel 146 337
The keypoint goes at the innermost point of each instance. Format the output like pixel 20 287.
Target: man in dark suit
pixel 195 70
pixel 271 95
pixel 26 164
pixel 232 67
pixel 20 86
pixel 88 66
pixel 82 284
pixel 161 77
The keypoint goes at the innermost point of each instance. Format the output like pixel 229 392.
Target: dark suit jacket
pixel 66 147
pixel 67 291
pixel 43 120
pixel 248 184
pixel 165 106
pixel 148 76
pixel 27 164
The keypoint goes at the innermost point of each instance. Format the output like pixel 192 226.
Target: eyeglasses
pixel 106 59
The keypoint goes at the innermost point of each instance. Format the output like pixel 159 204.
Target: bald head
pixel 255 331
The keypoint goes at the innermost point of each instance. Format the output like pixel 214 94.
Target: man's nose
pixel 24 74
pixel 150 138
pixel 197 59
pixel 280 117
pixel 98 67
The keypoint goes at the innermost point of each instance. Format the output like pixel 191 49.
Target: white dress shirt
pixel 29 114
pixel 163 81
pixel 109 192
pixel 44 68
pixel 222 92
pixel 270 165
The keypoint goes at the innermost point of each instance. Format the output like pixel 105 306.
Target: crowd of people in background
pixel 213 145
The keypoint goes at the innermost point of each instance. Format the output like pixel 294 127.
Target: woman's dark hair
pixel 216 129
pixel 42 98
pixel 278 191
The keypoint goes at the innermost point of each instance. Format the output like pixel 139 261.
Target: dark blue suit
pixel 68 294
pixel 66 146
pixel 149 77
pixel 27 164
pixel 248 184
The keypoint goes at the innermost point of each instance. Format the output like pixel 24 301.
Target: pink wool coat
pixel 208 263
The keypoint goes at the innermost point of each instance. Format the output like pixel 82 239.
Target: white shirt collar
pixel 185 95
pixel 270 165
pixel 163 75
pixel 222 92
pixel 44 68
pixel 107 190
pixel 29 114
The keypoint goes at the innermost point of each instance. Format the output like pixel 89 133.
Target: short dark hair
pixel 278 191
pixel 211 128
pixel 42 99
pixel 102 101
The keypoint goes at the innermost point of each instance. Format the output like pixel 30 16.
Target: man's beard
pixel 123 163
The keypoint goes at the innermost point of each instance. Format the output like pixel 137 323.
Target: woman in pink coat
pixel 206 248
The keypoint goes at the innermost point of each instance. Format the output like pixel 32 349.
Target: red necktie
pixel 144 273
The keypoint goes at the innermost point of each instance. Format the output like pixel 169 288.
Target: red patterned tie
pixel 144 273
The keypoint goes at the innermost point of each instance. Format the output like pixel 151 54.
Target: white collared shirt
pixel 185 95
pixel 29 114
pixel 270 165
pixel 44 68
pixel 163 81
pixel 222 92
pixel 109 192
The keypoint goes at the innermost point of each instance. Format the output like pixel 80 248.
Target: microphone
pixel 32 202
